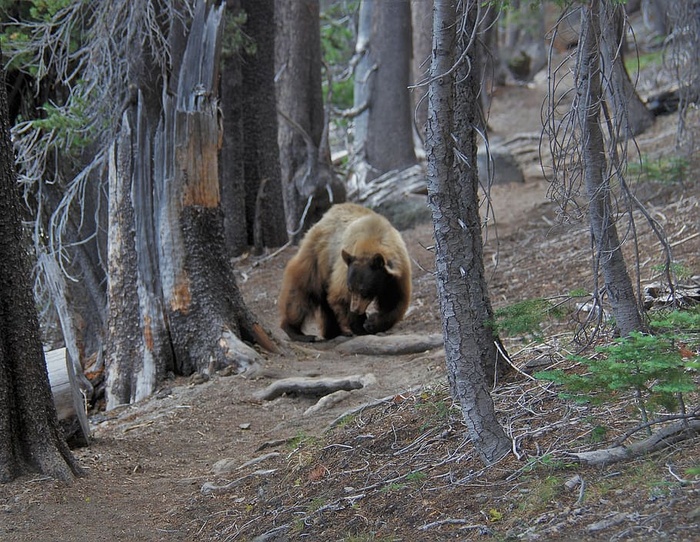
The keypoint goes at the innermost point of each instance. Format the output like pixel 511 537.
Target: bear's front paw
pixel 357 323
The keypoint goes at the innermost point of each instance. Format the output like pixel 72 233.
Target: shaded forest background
pixel 319 138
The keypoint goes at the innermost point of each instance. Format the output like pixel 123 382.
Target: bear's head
pixel 368 276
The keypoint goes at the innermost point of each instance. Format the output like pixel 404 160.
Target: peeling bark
pixel 167 238
pixel 206 312
pixel 139 354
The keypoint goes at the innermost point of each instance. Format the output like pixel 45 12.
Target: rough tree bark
pixel 597 177
pixel 384 129
pixel 138 350
pixel 139 354
pixel 263 183
pixel 206 317
pixel 251 185
pixel 309 181
pixel 30 437
pixel 453 187
pixel 232 169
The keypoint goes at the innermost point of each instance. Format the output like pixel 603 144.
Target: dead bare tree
pixel 63 151
pixel 589 145
pixel 172 297
pixel 206 317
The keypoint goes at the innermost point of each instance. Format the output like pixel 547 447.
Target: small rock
pixel 199 378
pixel 573 482
pixel 165 392
pixel 224 466
pixel 229 370
pixel 694 514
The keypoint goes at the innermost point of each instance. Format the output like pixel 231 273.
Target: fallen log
pixel 316 387
pixel 667 436
pixel 68 398
pixel 396 345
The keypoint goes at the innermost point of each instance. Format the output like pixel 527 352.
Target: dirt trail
pixel 148 462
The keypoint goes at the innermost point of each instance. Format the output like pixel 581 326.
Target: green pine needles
pixel 657 370
pixel 666 170
pixel 526 317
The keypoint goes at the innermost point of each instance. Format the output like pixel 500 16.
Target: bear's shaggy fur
pixel 351 257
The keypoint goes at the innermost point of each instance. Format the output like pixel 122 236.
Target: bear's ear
pixel 347 257
pixel 377 262
pixel 392 269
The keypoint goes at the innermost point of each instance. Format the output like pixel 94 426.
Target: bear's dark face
pixel 367 278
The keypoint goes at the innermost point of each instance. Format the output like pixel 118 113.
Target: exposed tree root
pixel 311 386
pixel 263 339
pixel 396 345
pixel 671 434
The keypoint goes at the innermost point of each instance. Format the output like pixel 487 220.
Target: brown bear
pixel 350 258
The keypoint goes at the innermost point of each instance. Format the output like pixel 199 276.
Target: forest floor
pixel 177 466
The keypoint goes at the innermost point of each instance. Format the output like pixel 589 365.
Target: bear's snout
pixel 358 304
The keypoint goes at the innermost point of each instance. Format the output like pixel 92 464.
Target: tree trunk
pixel 384 129
pixel 231 166
pixel 310 184
pixel 421 31
pixel 606 242
pixel 494 68
pixel 685 15
pixel 139 354
pixel 625 106
pixel 189 283
pixel 30 437
pixel 656 16
pixel 453 197
pixel 524 52
pixel 206 313
pixel 264 199
pixel 250 166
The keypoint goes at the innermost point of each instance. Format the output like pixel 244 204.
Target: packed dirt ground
pixel 209 461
